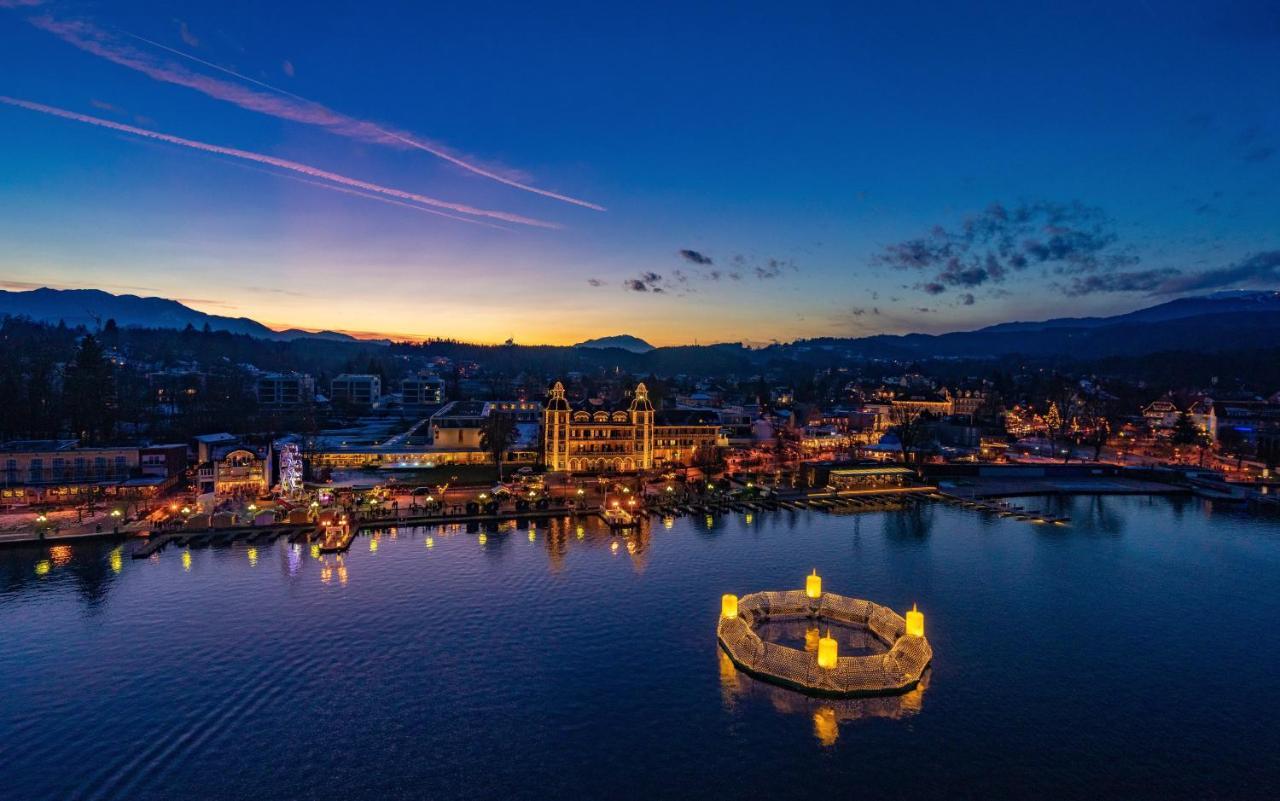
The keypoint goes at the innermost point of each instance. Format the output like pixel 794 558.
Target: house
pixel 355 389
pixel 61 471
pixel 420 390
pixel 285 390
pixel 235 469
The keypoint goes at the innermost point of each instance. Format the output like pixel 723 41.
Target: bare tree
pixel 912 429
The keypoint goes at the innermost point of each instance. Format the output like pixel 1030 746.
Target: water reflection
pixel 828 714
pixel 912 524
pixel 94 566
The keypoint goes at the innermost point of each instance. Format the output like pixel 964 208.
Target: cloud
pixel 293 166
pixel 695 257
pixel 967 299
pixel 989 247
pixel 287 68
pixel 276 103
pixel 103 105
pixel 1259 153
pixel 1136 281
pixel 188 38
pixel 772 268
pixel 647 282
pixel 1253 146
pixel 1259 268
pixel 595 282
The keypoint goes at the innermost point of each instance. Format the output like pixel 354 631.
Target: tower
pixel 642 426
pixel 555 430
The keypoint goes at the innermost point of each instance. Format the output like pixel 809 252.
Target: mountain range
pixel 93 307
pixel 1212 323
pixel 625 341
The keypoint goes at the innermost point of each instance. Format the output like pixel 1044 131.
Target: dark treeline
pixel 130 383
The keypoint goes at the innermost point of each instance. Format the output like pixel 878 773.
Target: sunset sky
pixel 554 172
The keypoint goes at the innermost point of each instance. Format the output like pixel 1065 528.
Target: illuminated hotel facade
pixel 587 440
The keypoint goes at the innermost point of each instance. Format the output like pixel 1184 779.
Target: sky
pixel 682 172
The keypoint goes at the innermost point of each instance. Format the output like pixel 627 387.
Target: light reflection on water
pixel 523 661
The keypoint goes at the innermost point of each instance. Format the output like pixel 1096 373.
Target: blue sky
pixel 764 172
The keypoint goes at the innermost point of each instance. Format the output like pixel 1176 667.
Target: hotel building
pixel 597 440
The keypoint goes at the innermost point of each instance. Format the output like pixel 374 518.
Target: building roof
pixel 853 472
pixel 686 417
pixel 214 439
pixel 38 445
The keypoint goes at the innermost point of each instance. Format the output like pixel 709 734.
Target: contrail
pixel 304 169
pixel 281 104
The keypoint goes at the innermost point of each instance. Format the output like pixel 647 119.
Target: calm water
pixel 1133 654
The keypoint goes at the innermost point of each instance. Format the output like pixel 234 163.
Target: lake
pixel 1131 654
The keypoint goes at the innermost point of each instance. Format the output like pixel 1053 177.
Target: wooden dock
pixel 1001 508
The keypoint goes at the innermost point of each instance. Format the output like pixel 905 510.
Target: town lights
pixel 827 651
pixel 186 510
pixel 915 622
pixel 813 584
pixel 116 513
pixel 728 605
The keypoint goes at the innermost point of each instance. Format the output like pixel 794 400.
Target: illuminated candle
pixel 827 651
pixel 728 605
pixel 813 584
pixel 915 622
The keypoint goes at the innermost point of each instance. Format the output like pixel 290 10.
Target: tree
pixel 708 457
pixel 912 429
pixel 497 436
pixel 1186 432
pixel 1053 423
pixel 89 392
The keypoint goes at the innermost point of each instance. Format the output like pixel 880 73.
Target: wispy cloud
pixel 1258 269
pixel 1133 281
pixel 276 103
pixel 293 166
pixel 189 38
pixel 694 257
